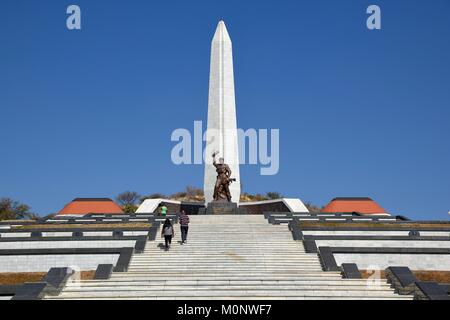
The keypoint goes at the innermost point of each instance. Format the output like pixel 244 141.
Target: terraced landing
pixel 227 257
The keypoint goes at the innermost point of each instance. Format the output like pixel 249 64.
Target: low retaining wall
pixel 41 260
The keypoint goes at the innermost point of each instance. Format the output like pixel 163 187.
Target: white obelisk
pixel 221 134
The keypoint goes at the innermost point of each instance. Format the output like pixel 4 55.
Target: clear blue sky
pixel 361 113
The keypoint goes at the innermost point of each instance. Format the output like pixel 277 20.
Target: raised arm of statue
pixel 214 158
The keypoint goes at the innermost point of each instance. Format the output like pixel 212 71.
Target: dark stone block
pixel 403 274
pixel 117 233
pixel 327 259
pixel 222 208
pixel 414 234
pixel 124 260
pixel 350 271
pixel 103 271
pixel 140 244
pixel 295 229
pixel 260 208
pixel 56 279
pixel 153 231
pixel 430 291
pixel 310 246
pixel 8 290
pixel 446 287
pixel 401 279
pixel 242 210
pixel 30 291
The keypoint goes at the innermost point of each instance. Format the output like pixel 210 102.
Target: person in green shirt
pixel 163 210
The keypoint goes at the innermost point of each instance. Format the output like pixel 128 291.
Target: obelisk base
pixel 222 207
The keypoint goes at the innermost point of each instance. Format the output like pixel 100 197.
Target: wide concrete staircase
pixel 227 257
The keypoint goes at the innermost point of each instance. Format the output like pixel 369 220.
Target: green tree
pixel 12 210
pixel 129 208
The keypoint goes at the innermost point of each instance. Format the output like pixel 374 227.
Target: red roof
pixel 356 204
pixel 91 205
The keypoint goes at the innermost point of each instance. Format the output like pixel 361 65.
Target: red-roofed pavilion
pixel 354 204
pixel 91 205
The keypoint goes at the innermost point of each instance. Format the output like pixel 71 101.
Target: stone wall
pixel 265 207
pixel 42 263
pixel 383 260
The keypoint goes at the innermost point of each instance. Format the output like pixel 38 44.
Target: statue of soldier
pixel 221 189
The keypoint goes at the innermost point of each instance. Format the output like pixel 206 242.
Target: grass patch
pixel 422 275
pixel 17 221
pixel 438 276
pixel 14 278
pixel 366 274
pixel 106 226
pixel 11 278
pixel 374 225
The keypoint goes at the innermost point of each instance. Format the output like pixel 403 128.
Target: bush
pixel 274 195
pixel 153 196
pixel 129 208
pixel 13 210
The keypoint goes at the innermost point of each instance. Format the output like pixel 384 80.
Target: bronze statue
pixel 221 189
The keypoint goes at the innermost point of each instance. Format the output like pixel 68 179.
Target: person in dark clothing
pixel 168 233
pixel 184 226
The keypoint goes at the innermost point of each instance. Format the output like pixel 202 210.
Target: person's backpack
pixel 168 231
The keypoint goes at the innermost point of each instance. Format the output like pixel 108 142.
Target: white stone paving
pixel 43 263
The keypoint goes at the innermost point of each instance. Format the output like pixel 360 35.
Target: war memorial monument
pixel 275 249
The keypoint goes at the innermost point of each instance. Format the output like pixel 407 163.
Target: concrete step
pixel 225 276
pixel 261 238
pixel 225 260
pixel 186 265
pixel 256 241
pixel 212 288
pixel 183 248
pixel 236 298
pixel 226 270
pixel 213 260
pixel 227 257
pixel 284 256
pixel 221 257
pixel 212 247
pixel 252 243
pixel 216 263
pixel 224 254
pixel 160 250
pixel 228 293
pixel 178 282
